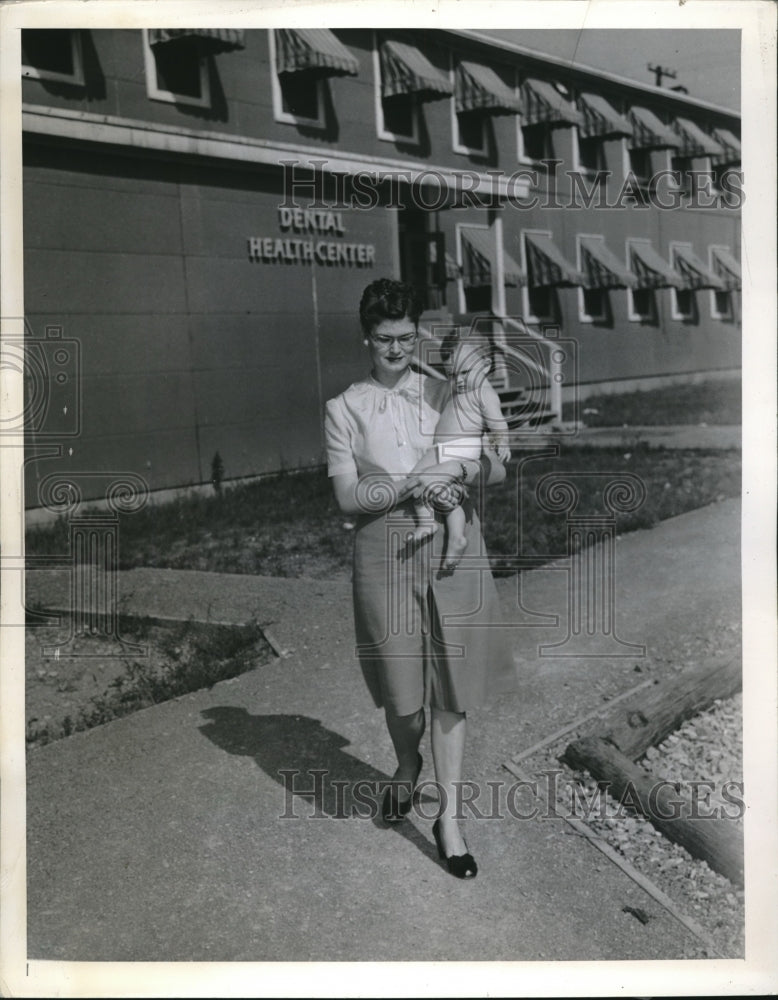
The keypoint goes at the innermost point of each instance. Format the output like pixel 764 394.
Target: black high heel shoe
pixel 459 865
pixel 392 809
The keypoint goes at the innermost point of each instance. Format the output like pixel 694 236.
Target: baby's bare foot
pixel 455 549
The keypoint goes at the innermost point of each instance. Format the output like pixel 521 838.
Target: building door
pixel 422 256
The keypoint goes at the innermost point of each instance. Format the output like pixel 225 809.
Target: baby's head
pixel 469 364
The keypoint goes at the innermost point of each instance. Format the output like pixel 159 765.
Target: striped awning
pixel 478 260
pixel 696 273
pixel 542 102
pixel 649 133
pixel 304 49
pixel 695 142
pixel 602 268
pixel 213 39
pixel 727 268
pixel 653 271
pixel 405 70
pixel 478 88
pixel 730 145
pixel 600 119
pixel 547 265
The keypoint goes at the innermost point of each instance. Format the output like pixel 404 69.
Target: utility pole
pixel 661 71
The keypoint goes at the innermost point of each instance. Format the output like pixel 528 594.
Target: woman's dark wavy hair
pixel 386 298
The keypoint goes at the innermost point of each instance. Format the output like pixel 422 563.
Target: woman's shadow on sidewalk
pixel 308 761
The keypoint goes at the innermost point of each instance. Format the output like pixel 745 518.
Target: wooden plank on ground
pixel 683 818
pixel 638 724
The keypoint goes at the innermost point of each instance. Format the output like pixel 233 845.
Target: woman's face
pixel 391 345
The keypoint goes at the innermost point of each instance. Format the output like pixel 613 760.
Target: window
pixel 592 302
pixel 721 304
pixel 399 118
pixel 535 142
pixel 683 303
pixel 475 270
pixel 681 165
pixel 594 305
pixel 538 301
pixel 470 132
pixel 692 269
pixel 641 302
pixel 177 72
pixel 398 115
pixel 298 98
pixel 642 305
pixel 640 166
pixel 52 54
pixel 591 159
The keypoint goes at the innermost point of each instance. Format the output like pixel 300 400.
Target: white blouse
pixel 369 428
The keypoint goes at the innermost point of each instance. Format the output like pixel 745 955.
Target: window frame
pixel 381 130
pixel 156 93
pixel 460 259
pixel 675 309
pixel 527 312
pixel 728 316
pixel 598 173
pixel 548 152
pixel 633 315
pixel 583 315
pixel 279 114
pixel 643 181
pixel 684 184
pixel 76 78
pixel 457 145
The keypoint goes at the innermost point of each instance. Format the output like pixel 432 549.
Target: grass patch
pixel 713 403
pixel 674 481
pixel 182 658
pixel 290 525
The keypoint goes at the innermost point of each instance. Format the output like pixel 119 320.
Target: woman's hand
pixel 407 488
pixel 443 496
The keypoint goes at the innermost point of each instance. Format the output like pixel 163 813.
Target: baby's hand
pixel 500 447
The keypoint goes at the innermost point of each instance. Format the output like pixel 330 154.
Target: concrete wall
pixel 189 347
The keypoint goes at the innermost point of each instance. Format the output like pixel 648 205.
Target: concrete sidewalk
pixel 160 836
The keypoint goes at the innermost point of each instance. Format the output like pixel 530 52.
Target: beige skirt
pixel 427 636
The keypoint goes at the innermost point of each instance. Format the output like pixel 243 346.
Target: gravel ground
pixel 705 748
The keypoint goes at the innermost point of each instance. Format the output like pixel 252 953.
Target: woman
pixel 425 636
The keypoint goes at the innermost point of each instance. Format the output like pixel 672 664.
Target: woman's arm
pixel 373 493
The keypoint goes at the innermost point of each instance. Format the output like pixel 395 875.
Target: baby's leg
pixel 456 542
pixel 423 514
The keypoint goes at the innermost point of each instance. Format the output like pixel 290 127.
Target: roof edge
pixel 645 88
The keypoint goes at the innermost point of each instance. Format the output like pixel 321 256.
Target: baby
pixel 474 408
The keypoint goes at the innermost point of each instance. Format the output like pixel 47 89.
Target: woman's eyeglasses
pixel 407 341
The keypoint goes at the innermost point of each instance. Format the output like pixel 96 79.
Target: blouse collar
pixel 402 383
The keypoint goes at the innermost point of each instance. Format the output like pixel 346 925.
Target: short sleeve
pixel 338 440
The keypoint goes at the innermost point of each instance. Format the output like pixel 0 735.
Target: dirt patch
pixel 75 682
